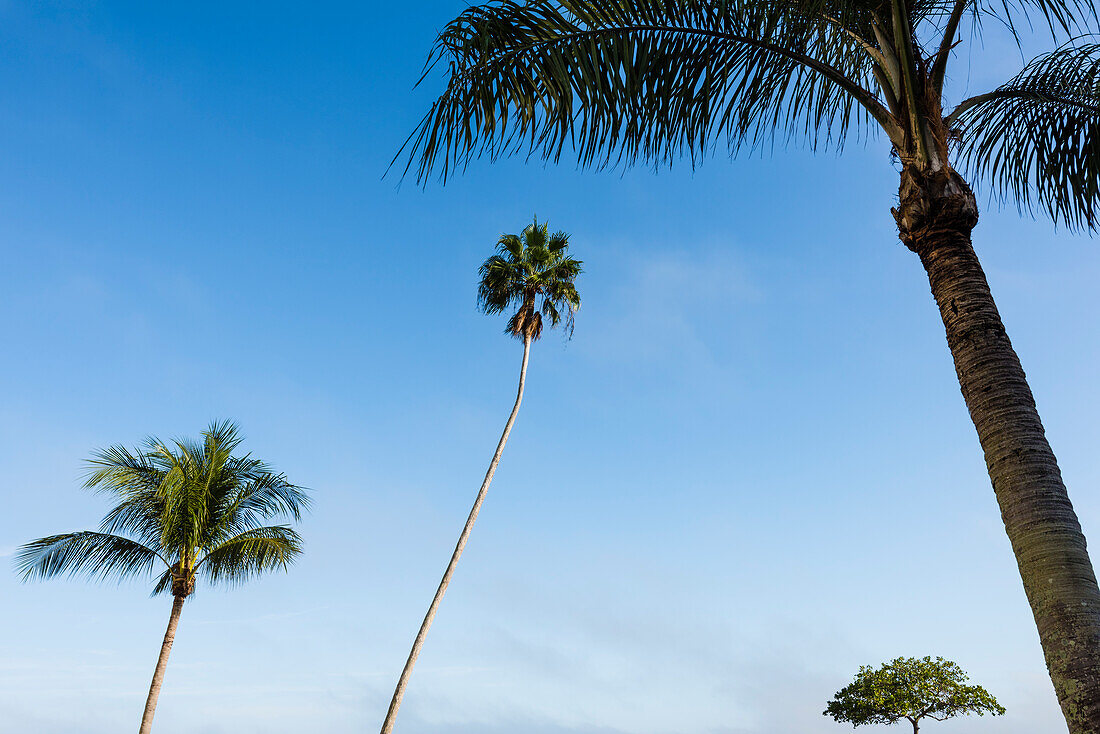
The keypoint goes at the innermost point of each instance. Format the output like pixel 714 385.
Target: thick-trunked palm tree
pixel 624 81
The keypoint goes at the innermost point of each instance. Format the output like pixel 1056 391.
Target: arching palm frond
pixel 654 80
pixel 642 80
pixel 95 555
pixel 118 470
pixel 251 553
pixel 139 516
pixel 251 499
pixel 1036 138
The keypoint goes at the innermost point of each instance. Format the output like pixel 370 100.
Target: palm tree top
pixel 528 267
pixel 656 80
pixel 183 507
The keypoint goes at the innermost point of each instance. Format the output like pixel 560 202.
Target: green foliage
pixel 191 509
pixel 527 267
pixel 1036 138
pixel 651 81
pixel 912 689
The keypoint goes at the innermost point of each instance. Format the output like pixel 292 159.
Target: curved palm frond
pixel 118 470
pixel 641 80
pixel 139 516
pixel 95 555
pixel 1037 137
pixel 1065 17
pixel 251 499
pixel 163 584
pixel 251 553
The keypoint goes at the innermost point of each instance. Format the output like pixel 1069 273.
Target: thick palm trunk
pixel 162 663
pixel 418 643
pixel 935 216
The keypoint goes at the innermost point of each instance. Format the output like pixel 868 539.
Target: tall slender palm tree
pixel 651 81
pixel 184 510
pixel 533 273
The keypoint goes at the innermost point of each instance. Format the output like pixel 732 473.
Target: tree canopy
pixel 532 265
pixel 185 508
pixel 912 689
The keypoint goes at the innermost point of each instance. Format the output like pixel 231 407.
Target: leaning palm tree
pixel 534 274
pixel 184 510
pixel 651 81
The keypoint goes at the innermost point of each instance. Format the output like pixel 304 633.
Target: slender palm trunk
pixel 936 215
pixel 162 663
pixel 406 672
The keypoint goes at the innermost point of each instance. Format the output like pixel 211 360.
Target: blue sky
pixel 750 472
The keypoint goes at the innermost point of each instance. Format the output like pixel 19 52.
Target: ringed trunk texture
pixel 418 643
pixel 936 214
pixel 162 663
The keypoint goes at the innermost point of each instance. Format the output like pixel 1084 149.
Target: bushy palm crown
pixel 191 509
pixel 651 80
pixel 528 267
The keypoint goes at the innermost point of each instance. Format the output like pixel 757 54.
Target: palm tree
pixel 626 81
pixel 533 273
pixel 191 509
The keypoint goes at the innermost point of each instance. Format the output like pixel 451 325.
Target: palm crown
pixel 191 509
pixel 528 267
pixel 651 80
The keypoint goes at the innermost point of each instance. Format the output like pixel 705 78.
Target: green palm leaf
pixel 1036 139
pixel 94 555
pixel 640 80
pixel 251 553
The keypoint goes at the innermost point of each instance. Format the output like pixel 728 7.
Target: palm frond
pixel 640 80
pixel 141 516
pixel 252 500
pixel 118 470
pixel 1061 17
pixel 163 584
pixel 95 555
pixel 251 553
pixel 1037 138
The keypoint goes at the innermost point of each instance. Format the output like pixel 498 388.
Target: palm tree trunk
pixel 935 217
pixel 418 643
pixel 162 663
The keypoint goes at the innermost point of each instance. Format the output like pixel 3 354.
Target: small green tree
pixel 911 689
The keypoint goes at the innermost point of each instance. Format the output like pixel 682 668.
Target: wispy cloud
pixel 667 305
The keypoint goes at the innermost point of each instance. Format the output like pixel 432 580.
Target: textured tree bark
pixel 418 643
pixel 935 216
pixel 162 663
